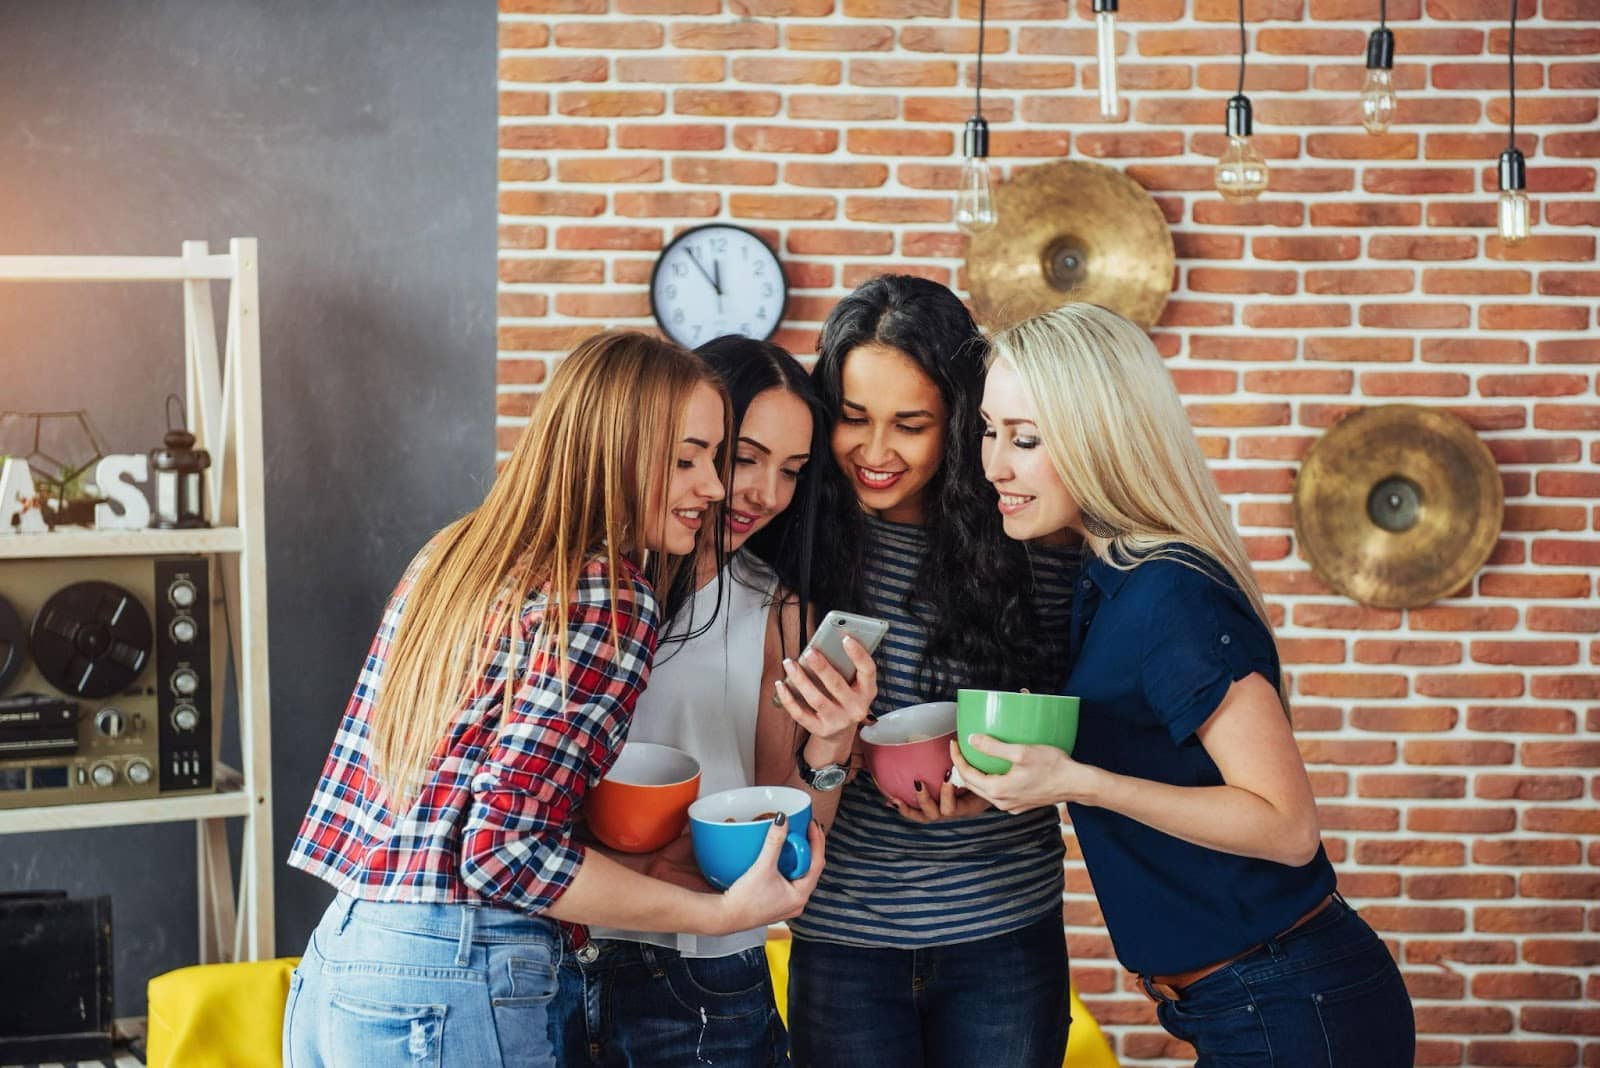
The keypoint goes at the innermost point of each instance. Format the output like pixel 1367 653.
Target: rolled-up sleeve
pixel 516 846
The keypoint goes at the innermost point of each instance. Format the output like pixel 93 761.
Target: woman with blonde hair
pixel 497 692
pixel 1185 788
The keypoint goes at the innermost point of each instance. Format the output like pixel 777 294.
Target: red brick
pixel 1523 919
pixel 1310 247
pixel 955 109
pixel 1352 685
pixel 1195 42
pixel 1238 415
pixel 1561 885
pixel 1561 754
pixel 1196 313
pixel 1458 1019
pixel 1459 885
pixel 1414 384
pixel 1142 144
pixel 542 202
pixel 1262 213
pixel 1275 447
pixel 725 36
pixel 898 209
pixel 1473 350
pixel 1361 146
pixel 519 306
pixel 608 237
pixel 1154 76
pixel 1412 653
pixel 840 242
pixel 1416 316
pixel 1570 283
pixel 1561 1021
pixel 1273 146
pixel 624 305
pixel 776 206
pixel 610 170
pixel 778 9
pixel 1462 820
pixel 549 270
pixel 1566 416
pixel 1359 348
pixel 1455 280
pixel 1257 480
pixel 668 205
pixel 543 338
pixel 1416 247
pixel 795 139
pixel 1208 246
pixel 594 103
pixel 540 69
pixel 938 243
pixel 1434 753
pixel 1422 951
pixel 606 36
pixel 826 38
pixel 1548 450
pixel 1172 176
pixel 1522 1052
pixel 1345 617
pixel 1320 110
pixel 1407 918
pixel 1418 181
pixel 1286 316
pixel 899 142
pixel 1547 42
pixel 1552 586
pixel 1473 685
pixel 726 102
pixel 1525 653
pixel 1533 317
pixel 903 72
pixel 1366 215
pixel 1490 76
pixel 669 7
pixel 1321 41
pixel 1437 42
pixel 521 104
pixel 846 108
pixel 1573 75
pixel 836 175
pixel 1344 282
pixel 1310 381
pixel 1231 280
pixel 671 70
pixel 1313 179
pixel 1566 552
pixel 1526 986
pixel 703 170
pixel 1051 144
pixel 1530 788
pixel 677 137
pixel 1357 818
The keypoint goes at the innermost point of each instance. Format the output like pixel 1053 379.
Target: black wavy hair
pixel 975 584
pixel 749 368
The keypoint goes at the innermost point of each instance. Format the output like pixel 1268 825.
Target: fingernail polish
pixel 917 784
pixel 780 819
pixel 947 772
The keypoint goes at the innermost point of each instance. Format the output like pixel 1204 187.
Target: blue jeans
pixel 398 984
pixel 996 1001
pixel 1325 995
pixel 626 1004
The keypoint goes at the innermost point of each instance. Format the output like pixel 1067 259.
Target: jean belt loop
pixel 469 924
pixel 349 906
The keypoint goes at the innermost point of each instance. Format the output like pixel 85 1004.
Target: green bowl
pixel 1020 718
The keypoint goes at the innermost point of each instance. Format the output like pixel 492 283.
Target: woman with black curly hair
pixel 935 935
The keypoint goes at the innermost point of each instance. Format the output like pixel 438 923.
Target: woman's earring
pixel 1098 527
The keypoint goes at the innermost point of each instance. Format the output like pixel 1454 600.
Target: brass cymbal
pixel 1397 506
pixel 1071 230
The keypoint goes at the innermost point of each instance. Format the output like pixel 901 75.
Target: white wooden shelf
pixel 229 800
pixel 84 542
pixel 115 268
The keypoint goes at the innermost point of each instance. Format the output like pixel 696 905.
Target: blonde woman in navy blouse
pixel 1185 788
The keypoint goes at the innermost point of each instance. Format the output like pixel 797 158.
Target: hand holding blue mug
pixel 729 828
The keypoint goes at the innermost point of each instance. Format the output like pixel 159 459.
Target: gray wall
pixel 356 140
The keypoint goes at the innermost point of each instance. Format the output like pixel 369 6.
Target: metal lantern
pixel 179 470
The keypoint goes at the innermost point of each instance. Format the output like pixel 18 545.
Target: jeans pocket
pixel 296 981
pixel 385 1032
pixel 729 987
pixel 531 978
pixel 1368 1022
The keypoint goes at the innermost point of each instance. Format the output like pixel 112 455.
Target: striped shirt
pixel 493 822
pixel 897 884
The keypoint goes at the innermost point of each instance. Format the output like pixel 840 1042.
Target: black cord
pixel 1242 46
pixel 1511 63
pixel 1383 13
pixel 977 92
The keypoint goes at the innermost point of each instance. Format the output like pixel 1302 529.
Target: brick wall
pixel 1454 747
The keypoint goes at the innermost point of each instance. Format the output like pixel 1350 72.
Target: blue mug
pixel 728 835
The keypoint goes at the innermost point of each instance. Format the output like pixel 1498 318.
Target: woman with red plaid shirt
pixel 498 690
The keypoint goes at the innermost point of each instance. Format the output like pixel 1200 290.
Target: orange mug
pixel 643 802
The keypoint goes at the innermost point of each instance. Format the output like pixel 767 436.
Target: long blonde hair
pixel 1117 434
pixel 601 440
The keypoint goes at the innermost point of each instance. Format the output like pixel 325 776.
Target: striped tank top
pixel 891 883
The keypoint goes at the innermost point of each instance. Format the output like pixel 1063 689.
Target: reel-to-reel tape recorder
pixel 105 679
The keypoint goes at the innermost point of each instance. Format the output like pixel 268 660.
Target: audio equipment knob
pixel 181 593
pixel 185 718
pixel 138 773
pixel 182 630
pixel 110 722
pixel 185 682
pixel 103 775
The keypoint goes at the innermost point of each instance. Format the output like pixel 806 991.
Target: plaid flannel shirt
pixel 494 820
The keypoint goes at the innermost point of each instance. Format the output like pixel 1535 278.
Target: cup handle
pixel 794 859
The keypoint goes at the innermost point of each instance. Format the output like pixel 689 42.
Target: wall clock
pixel 717 279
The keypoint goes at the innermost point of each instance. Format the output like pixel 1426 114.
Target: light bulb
pixel 975 211
pixel 1513 201
pixel 1106 49
pixel 1377 92
pixel 974 199
pixel 1377 101
pixel 1241 173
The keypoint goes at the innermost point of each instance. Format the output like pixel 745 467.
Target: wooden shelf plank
pixel 84 542
pixel 229 800
pixel 114 268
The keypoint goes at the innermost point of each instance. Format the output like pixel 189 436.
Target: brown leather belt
pixel 1171 987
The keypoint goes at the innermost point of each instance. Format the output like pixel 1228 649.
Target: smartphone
pixel 829 639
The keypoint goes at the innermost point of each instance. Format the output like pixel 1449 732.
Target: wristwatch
pixel 828 777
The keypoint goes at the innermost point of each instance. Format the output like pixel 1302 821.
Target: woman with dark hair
pixel 636 997
pixel 934 937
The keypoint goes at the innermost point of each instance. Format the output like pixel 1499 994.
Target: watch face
pixel 715 280
pixel 829 777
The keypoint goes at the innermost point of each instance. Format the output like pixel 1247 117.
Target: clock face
pixel 715 280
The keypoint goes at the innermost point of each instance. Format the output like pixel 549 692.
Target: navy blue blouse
pixel 1153 652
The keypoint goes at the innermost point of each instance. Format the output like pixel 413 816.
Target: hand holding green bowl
pixel 1019 718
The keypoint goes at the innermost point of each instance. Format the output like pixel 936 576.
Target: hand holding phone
pixel 828 641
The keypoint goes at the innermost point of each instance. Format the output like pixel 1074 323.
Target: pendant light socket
pixel 1239 119
pixel 1380 49
pixel 1513 169
pixel 975 138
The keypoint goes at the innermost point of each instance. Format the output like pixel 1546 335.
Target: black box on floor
pixel 55 982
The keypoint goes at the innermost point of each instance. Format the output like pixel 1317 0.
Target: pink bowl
pixel 909 744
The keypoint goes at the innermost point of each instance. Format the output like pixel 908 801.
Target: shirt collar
pixel 1108 578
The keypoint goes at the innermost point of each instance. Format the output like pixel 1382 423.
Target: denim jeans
pixel 996 1001
pixel 1325 995
pixel 414 984
pixel 626 1004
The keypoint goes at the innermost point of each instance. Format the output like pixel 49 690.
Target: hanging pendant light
pixel 1513 168
pixel 1105 26
pixel 1241 173
pixel 975 211
pixel 1377 92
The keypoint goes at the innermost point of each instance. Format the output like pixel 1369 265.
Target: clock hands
pixel 714 283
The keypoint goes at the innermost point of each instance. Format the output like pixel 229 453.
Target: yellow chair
pixel 219 1015
pixel 1086 1045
